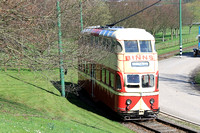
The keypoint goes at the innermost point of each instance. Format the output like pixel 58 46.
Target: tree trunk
pixel 172 35
pixel 190 27
pixel 163 37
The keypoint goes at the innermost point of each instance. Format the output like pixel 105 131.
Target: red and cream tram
pixel 127 79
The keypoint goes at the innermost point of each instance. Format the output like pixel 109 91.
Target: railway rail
pixel 165 123
pixel 162 126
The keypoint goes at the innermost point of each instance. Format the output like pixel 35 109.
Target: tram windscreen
pixel 133 79
pixel 147 81
pixel 145 46
pixel 131 46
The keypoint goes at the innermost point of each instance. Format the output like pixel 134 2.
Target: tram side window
pixel 93 71
pixel 103 73
pixel 118 82
pixel 104 43
pixel 88 69
pixel 131 46
pixel 147 81
pixel 107 77
pixel 117 47
pixel 112 79
pixel 98 72
pixel 145 46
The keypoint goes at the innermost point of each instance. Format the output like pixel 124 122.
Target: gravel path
pixel 178 96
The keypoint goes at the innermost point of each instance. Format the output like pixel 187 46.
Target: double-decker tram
pixel 126 80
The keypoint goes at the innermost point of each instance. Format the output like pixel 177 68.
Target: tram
pixel 127 79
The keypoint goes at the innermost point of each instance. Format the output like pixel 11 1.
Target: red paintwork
pixel 115 102
pixel 147 99
pixel 96 32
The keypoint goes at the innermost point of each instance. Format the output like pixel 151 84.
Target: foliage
pixel 194 9
pixel 197 78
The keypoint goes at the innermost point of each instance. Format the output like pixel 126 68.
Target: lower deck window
pixel 147 81
pixel 133 79
pixel 118 84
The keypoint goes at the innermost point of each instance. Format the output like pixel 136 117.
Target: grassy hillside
pixel 29 102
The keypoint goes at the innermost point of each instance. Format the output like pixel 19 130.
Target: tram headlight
pixel 151 101
pixel 128 102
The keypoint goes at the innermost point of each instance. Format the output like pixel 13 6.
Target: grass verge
pixel 29 102
pixel 197 78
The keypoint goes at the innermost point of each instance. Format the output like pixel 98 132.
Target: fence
pixel 174 43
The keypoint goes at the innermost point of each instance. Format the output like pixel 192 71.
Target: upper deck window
pixel 145 46
pixel 131 46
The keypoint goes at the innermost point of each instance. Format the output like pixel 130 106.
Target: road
pixel 178 96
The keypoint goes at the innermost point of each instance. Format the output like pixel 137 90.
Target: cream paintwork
pixel 133 34
pixel 140 105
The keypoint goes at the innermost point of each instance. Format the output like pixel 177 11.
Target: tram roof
pixel 119 33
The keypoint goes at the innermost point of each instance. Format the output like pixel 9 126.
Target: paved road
pixel 177 94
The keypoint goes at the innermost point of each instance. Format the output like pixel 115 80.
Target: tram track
pixel 162 125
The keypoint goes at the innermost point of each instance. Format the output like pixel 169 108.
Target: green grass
pixel 197 78
pixel 172 45
pixel 29 102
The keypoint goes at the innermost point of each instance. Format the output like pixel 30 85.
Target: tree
pixel 29 33
pixel 194 13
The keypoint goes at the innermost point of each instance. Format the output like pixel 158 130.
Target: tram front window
pixel 147 81
pixel 131 46
pixel 133 79
pixel 145 46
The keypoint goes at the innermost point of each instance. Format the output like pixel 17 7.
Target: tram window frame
pixel 109 45
pixel 88 69
pixel 145 49
pixel 93 70
pixel 150 82
pixel 103 75
pixel 85 67
pixel 92 40
pixel 100 43
pixel 96 40
pixel 104 43
pixel 98 72
pixel 116 47
pixel 129 48
pixel 118 82
pixel 133 79
pixel 112 80
pixel 107 77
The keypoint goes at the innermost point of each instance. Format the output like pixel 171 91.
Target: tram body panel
pixel 127 81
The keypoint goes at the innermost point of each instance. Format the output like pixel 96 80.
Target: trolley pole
pixel 81 15
pixel 180 27
pixel 60 51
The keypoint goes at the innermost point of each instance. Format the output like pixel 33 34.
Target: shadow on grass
pixel 79 97
pixel 32 85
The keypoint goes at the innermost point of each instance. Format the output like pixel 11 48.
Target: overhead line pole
pixel 60 51
pixel 180 27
